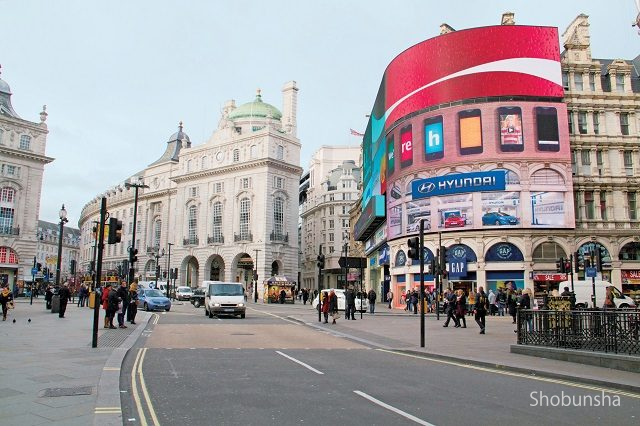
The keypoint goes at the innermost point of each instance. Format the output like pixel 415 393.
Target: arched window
pixel 204 162
pixel 216 229
pixel 253 151
pixel 188 166
pixel 157 232
pixel 7 211
pixel 25 142
pixel 236 155
pixel 547 177
pixel 278 218
pixel 245 218
pixel 193 225
pixel 7 255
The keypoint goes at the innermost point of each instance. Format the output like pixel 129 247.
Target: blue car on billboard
pixel 498 218
pixel 153 300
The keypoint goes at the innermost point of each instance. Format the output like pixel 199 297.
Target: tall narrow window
pixel 592 81
pixel 280 152
pixel 245 218
pixel 25 142
pixel 631 201
pixel 157 232
pixel 7 210
pixel 624 123
pixel 193 225
pixel 570 121
pixel 596 123
pixel 565 80
pixel 628 162
pixel 577 81
pixel 620 82
pixel 278 218
pixel 216 229
pixel 589 204
pixel 582 122
pixel 603 205
pixel 1 135
pixel 585 156
pixel 236 155
pixel 253 151
pixel 204 163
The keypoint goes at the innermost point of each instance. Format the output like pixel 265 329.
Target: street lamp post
pixel 346 259
pixel 136 186
pixel 255 277
pixel 169 269
pixel 63 220
pixel 157 255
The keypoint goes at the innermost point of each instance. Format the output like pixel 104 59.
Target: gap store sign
pixel 458 183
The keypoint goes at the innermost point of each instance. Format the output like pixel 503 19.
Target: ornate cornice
pixel 25 154
pixel 238 167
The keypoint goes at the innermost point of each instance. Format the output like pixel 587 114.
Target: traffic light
pixel 567 266
pixel 560 265
pixel 414 248
pixel 576 264
pixel 133 258
pixel 443 259
pixel 73 266
pixel 321 261
pixel 175 274
pixel 115 231
pixel 599 258
pixel 39 266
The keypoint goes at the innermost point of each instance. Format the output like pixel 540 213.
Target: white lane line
pixel 391 408
pixel 300 362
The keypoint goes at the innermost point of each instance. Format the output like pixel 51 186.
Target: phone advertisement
pixel 547 129
pixel 433 138
pixel 470 132
pixel 406 147
pixel 511 136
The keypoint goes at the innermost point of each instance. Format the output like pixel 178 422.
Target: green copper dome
pixel 257 108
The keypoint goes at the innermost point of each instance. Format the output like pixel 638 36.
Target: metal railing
pixel 215 239
pixel 190 241
pixel 611 331
pixel 9 230
pixel 243 237
pixel 279 236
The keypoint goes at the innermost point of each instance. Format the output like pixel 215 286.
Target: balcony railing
pixel 246 236
pixel 216 239
pixel 9 230
pixel 615 331
pixel 279 236
pixel 191 241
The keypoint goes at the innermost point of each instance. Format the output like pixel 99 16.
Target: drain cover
pixel 79 390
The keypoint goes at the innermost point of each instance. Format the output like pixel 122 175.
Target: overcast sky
pixel 117 76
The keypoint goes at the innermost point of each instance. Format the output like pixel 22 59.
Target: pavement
pixel 51 375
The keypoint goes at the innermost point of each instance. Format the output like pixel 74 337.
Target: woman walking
pixel 6 298
pixel 461 308
pixel 333 306
pixel 105 304
pixel 133 303
pixel 325 306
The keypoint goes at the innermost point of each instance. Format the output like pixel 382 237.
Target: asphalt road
pixel 266 370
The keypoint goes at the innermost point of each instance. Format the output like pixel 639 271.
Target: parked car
pixel 197 298
pixel 454 221
pixel 184 293
pixel 341 300
pixel 499 218
pixel 153 300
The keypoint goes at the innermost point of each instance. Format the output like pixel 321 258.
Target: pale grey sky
pixel 117 76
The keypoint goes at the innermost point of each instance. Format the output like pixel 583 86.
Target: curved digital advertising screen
pixel 468 131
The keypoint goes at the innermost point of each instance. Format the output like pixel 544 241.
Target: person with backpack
pixel 371 296
pixel 512 304
pixel 480 309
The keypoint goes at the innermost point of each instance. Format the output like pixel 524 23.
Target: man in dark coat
pixel 112 304
pixel 480 308
pixel 372 296
pixel 450 308
pixel 123 295
pixel 350 302
pixel 64 295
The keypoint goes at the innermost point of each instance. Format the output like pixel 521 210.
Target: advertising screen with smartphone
pixel 547 129
pixel 406 146
pixel 511 136
pixel 433 138
pixel 391 160
pixel 470 131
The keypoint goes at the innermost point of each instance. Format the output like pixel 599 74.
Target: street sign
pixel 34 271
pixel 591 272
pixel 352 262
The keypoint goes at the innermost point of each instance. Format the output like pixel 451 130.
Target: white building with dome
pixel 221 208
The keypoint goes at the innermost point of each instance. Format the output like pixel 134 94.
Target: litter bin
pixel 92 299
pixel 55 304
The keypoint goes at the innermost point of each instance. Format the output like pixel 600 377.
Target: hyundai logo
pixel 426 187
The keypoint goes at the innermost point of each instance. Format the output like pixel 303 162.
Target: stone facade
pixel 48 235
pixel 334 186
pixel 220 208
pixel 22 159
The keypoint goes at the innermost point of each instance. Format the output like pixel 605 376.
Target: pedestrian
pixel 350 302
pixel 123 295
pixel 608 299
pixel 6 300
pixel 450 308
pixel 82 295
pixel 283 295
pixel 512 304
pixel 64 295
pixel 461 308
pixel 48 297
pixel 371 297
pixel 525 303
pixel 480 309
pixel 325 306
pixel 104 298
pixel 389 298
pixel 501 298
pixel 113 304
pixel 305 296
pixel 132 310
pixel 492 302
pixel 333 306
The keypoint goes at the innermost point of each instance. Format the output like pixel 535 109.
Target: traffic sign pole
pixel 34 270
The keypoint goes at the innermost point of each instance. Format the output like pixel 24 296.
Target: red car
pixel 454 221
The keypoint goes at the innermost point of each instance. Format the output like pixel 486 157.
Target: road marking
pixel 300 362
pixel 277 316
pixel 520 375
pixel 134 387
pixel 391 408
pixel 156 318
pixel 107 410
pixel 144 390
pixel 111 369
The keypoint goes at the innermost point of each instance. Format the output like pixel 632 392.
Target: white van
pixel 152 284
pixel 223 298
pixel 583 290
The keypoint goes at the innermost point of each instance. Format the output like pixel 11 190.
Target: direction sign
pixel 34 271
pixel 591 272
pixel 352 262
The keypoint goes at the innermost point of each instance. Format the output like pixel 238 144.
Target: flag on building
pixel 355 133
